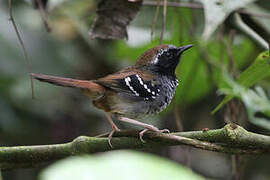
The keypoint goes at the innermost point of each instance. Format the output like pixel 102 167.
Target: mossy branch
pixel 231 139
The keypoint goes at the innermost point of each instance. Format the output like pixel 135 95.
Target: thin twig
pixel 175 4
pixel 177 117
pixel 179 125
pixel 232 64
pixel 228 45
pixel 163 21
pixel 193 20
pixel 155 20
pixel 231 115
pixel 234 167
pixel 233 109
pixel 44 15
pixel 22 45
pixel 220 37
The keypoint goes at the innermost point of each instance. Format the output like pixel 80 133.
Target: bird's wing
pixel 134 83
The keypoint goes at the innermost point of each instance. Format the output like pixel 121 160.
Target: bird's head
pixel 163 58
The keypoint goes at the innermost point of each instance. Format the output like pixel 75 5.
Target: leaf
pixel 113 18
pixel 256 101
pixel 120 165
pixel 257 71
pixel 258 108
pixel 217 10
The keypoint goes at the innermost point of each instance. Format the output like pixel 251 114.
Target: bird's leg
pixel 147 127
pixel 114 128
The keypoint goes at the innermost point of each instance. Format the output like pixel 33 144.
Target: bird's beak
pixel 184 48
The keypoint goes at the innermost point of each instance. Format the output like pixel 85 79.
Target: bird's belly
pixel 139 110
pixel 142 108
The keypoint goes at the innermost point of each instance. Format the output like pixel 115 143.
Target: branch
pixel 44 15
pixel 153 28
pixel 200 6
pixel 163 21
pixel 243 27
pixel 231 139
pixel 238 22
pixel 11 18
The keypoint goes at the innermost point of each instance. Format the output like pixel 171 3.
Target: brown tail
pixel 91 88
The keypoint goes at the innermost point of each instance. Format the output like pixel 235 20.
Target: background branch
pixel 231 139
pixel 44 15
pixel 11 18
pixel 163 21
pixel 200 6
pixel 243 27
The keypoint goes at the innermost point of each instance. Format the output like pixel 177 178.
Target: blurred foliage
pixel 256 101
pixel 120 165
pixel 257 71
pixel 58 114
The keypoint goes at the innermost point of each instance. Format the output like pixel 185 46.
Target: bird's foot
pixel 152 128
pixel 147 127
pixel 115 129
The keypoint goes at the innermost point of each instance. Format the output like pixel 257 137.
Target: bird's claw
pixel 111 135
pixel 145 130
pixel 164 131
pixel 141 135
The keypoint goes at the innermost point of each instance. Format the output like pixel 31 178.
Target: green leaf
pixel 256 101
pixel 257 71
pixel 120 165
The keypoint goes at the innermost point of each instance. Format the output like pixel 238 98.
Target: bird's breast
pixel 167 91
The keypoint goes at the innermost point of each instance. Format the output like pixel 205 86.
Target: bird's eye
pixel 168 55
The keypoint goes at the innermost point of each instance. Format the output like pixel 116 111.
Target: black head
pixel 167 59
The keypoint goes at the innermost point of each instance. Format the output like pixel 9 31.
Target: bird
pixel 135 92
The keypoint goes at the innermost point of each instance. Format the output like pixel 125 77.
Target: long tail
pixel 91 88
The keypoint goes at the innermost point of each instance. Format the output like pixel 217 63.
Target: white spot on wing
pixel 140 79
pixel 145 86
pixel 127 80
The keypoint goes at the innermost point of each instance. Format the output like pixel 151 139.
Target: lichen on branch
pixel 232 139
